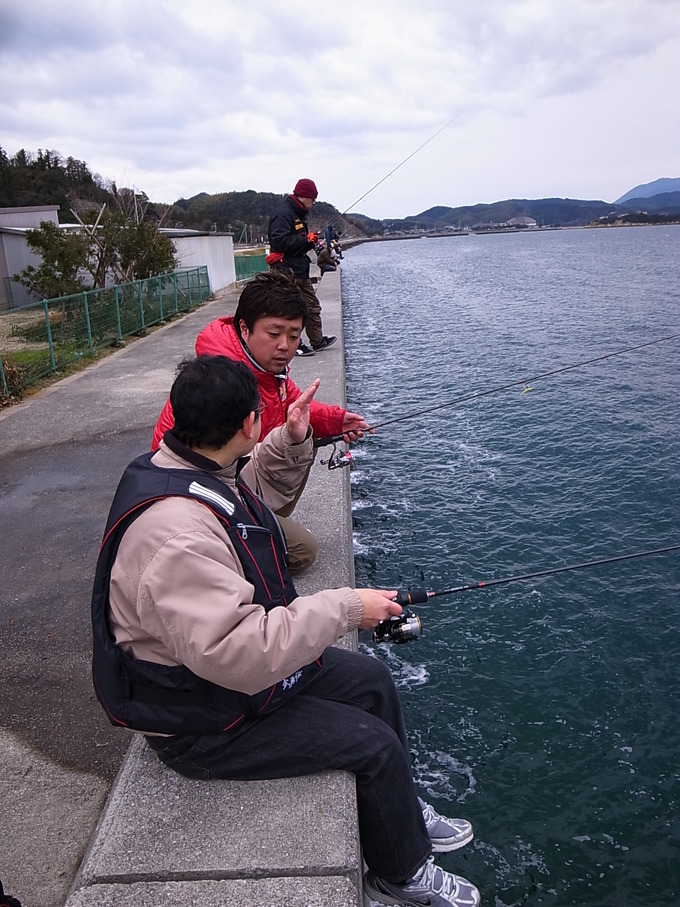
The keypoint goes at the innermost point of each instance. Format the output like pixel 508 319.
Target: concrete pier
pixel 74 785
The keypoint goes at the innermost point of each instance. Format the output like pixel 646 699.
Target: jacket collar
pixel 172 447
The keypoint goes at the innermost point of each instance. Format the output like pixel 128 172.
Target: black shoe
pixel 304 350
pixel 325 342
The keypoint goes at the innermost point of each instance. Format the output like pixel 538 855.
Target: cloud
pixel 219 95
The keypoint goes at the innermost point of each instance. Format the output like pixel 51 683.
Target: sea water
pixel 544 710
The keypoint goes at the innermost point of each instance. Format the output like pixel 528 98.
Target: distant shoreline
pixel 359 240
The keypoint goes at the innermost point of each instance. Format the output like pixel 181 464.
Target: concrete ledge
pixel 167 840
pixel 159 828
pixel 283 892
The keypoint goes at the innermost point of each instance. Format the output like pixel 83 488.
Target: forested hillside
pixel 46 178
pixel 246 215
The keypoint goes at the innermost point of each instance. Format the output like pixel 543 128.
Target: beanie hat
pixel 305 189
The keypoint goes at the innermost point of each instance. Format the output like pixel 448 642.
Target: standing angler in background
pixel 332 240
pixel 289 242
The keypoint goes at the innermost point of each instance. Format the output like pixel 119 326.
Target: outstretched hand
pixel 297 418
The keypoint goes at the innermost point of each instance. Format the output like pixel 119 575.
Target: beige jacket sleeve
pixel 178 596
pixel 278 467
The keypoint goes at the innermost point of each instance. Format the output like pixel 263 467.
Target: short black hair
pixel 211 397
pixel 272 294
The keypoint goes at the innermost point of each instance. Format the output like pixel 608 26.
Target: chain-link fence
pixel 41 338
pixel 248 266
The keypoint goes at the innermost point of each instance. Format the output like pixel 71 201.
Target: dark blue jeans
pixel 349 718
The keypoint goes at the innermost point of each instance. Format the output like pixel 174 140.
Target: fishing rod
pixel 341 459
pixel 408 626
pixel 394 170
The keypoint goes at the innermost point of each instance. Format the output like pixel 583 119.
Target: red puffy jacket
pixel 219 338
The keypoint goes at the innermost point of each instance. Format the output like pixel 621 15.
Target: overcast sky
pixel 567 98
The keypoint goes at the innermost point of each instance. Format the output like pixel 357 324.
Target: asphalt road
pixel 54 505
pixel 62 452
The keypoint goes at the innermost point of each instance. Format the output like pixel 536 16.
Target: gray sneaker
pixel 429 887
pixel 445 834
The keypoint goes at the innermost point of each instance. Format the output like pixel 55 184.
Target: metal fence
pixel 248 266
pixel 38 339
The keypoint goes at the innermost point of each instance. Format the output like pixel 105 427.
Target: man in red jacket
pixel 264 333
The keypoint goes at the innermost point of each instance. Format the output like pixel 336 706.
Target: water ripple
pixel 546 707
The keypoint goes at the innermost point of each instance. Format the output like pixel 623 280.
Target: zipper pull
pixel 242 528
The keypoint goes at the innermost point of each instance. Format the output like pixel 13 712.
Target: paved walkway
pixel 61 455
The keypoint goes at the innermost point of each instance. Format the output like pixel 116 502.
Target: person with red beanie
pixel 289 241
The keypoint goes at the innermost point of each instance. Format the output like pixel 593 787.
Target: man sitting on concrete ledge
pixel 264 334
pixel 202 643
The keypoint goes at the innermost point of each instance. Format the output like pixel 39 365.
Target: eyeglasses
pixel 261 408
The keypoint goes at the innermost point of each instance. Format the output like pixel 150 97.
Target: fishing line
pixel 418 596
pixel 332 439
pixel 394 170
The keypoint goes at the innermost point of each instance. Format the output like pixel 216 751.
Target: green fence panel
pixel 25 350
pixel 38 339
pixel 4 386
pixel 248 266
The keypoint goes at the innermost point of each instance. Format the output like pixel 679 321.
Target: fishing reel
pixel 339 458
pixel 404 627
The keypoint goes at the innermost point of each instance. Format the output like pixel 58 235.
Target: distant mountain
pixel 663 203
pixel 563 212
pixel 247 213
pixel 646 190
pixel 225 211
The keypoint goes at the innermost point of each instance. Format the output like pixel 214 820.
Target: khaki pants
pixel 313 324
pixel 302 545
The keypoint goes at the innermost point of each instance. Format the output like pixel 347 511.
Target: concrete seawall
pixel 159 839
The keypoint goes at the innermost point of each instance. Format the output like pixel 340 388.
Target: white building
pixel 194 249
pixel 15 254
pixel 522 221
pixel 214 250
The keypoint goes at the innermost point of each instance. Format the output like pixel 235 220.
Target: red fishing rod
pixel 407 626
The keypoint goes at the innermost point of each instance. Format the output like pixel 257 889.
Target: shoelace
pixel 429 815
pixel 432 878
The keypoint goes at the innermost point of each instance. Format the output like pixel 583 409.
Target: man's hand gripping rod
pixel 406 626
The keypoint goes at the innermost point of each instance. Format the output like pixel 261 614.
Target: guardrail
pixel 39 339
